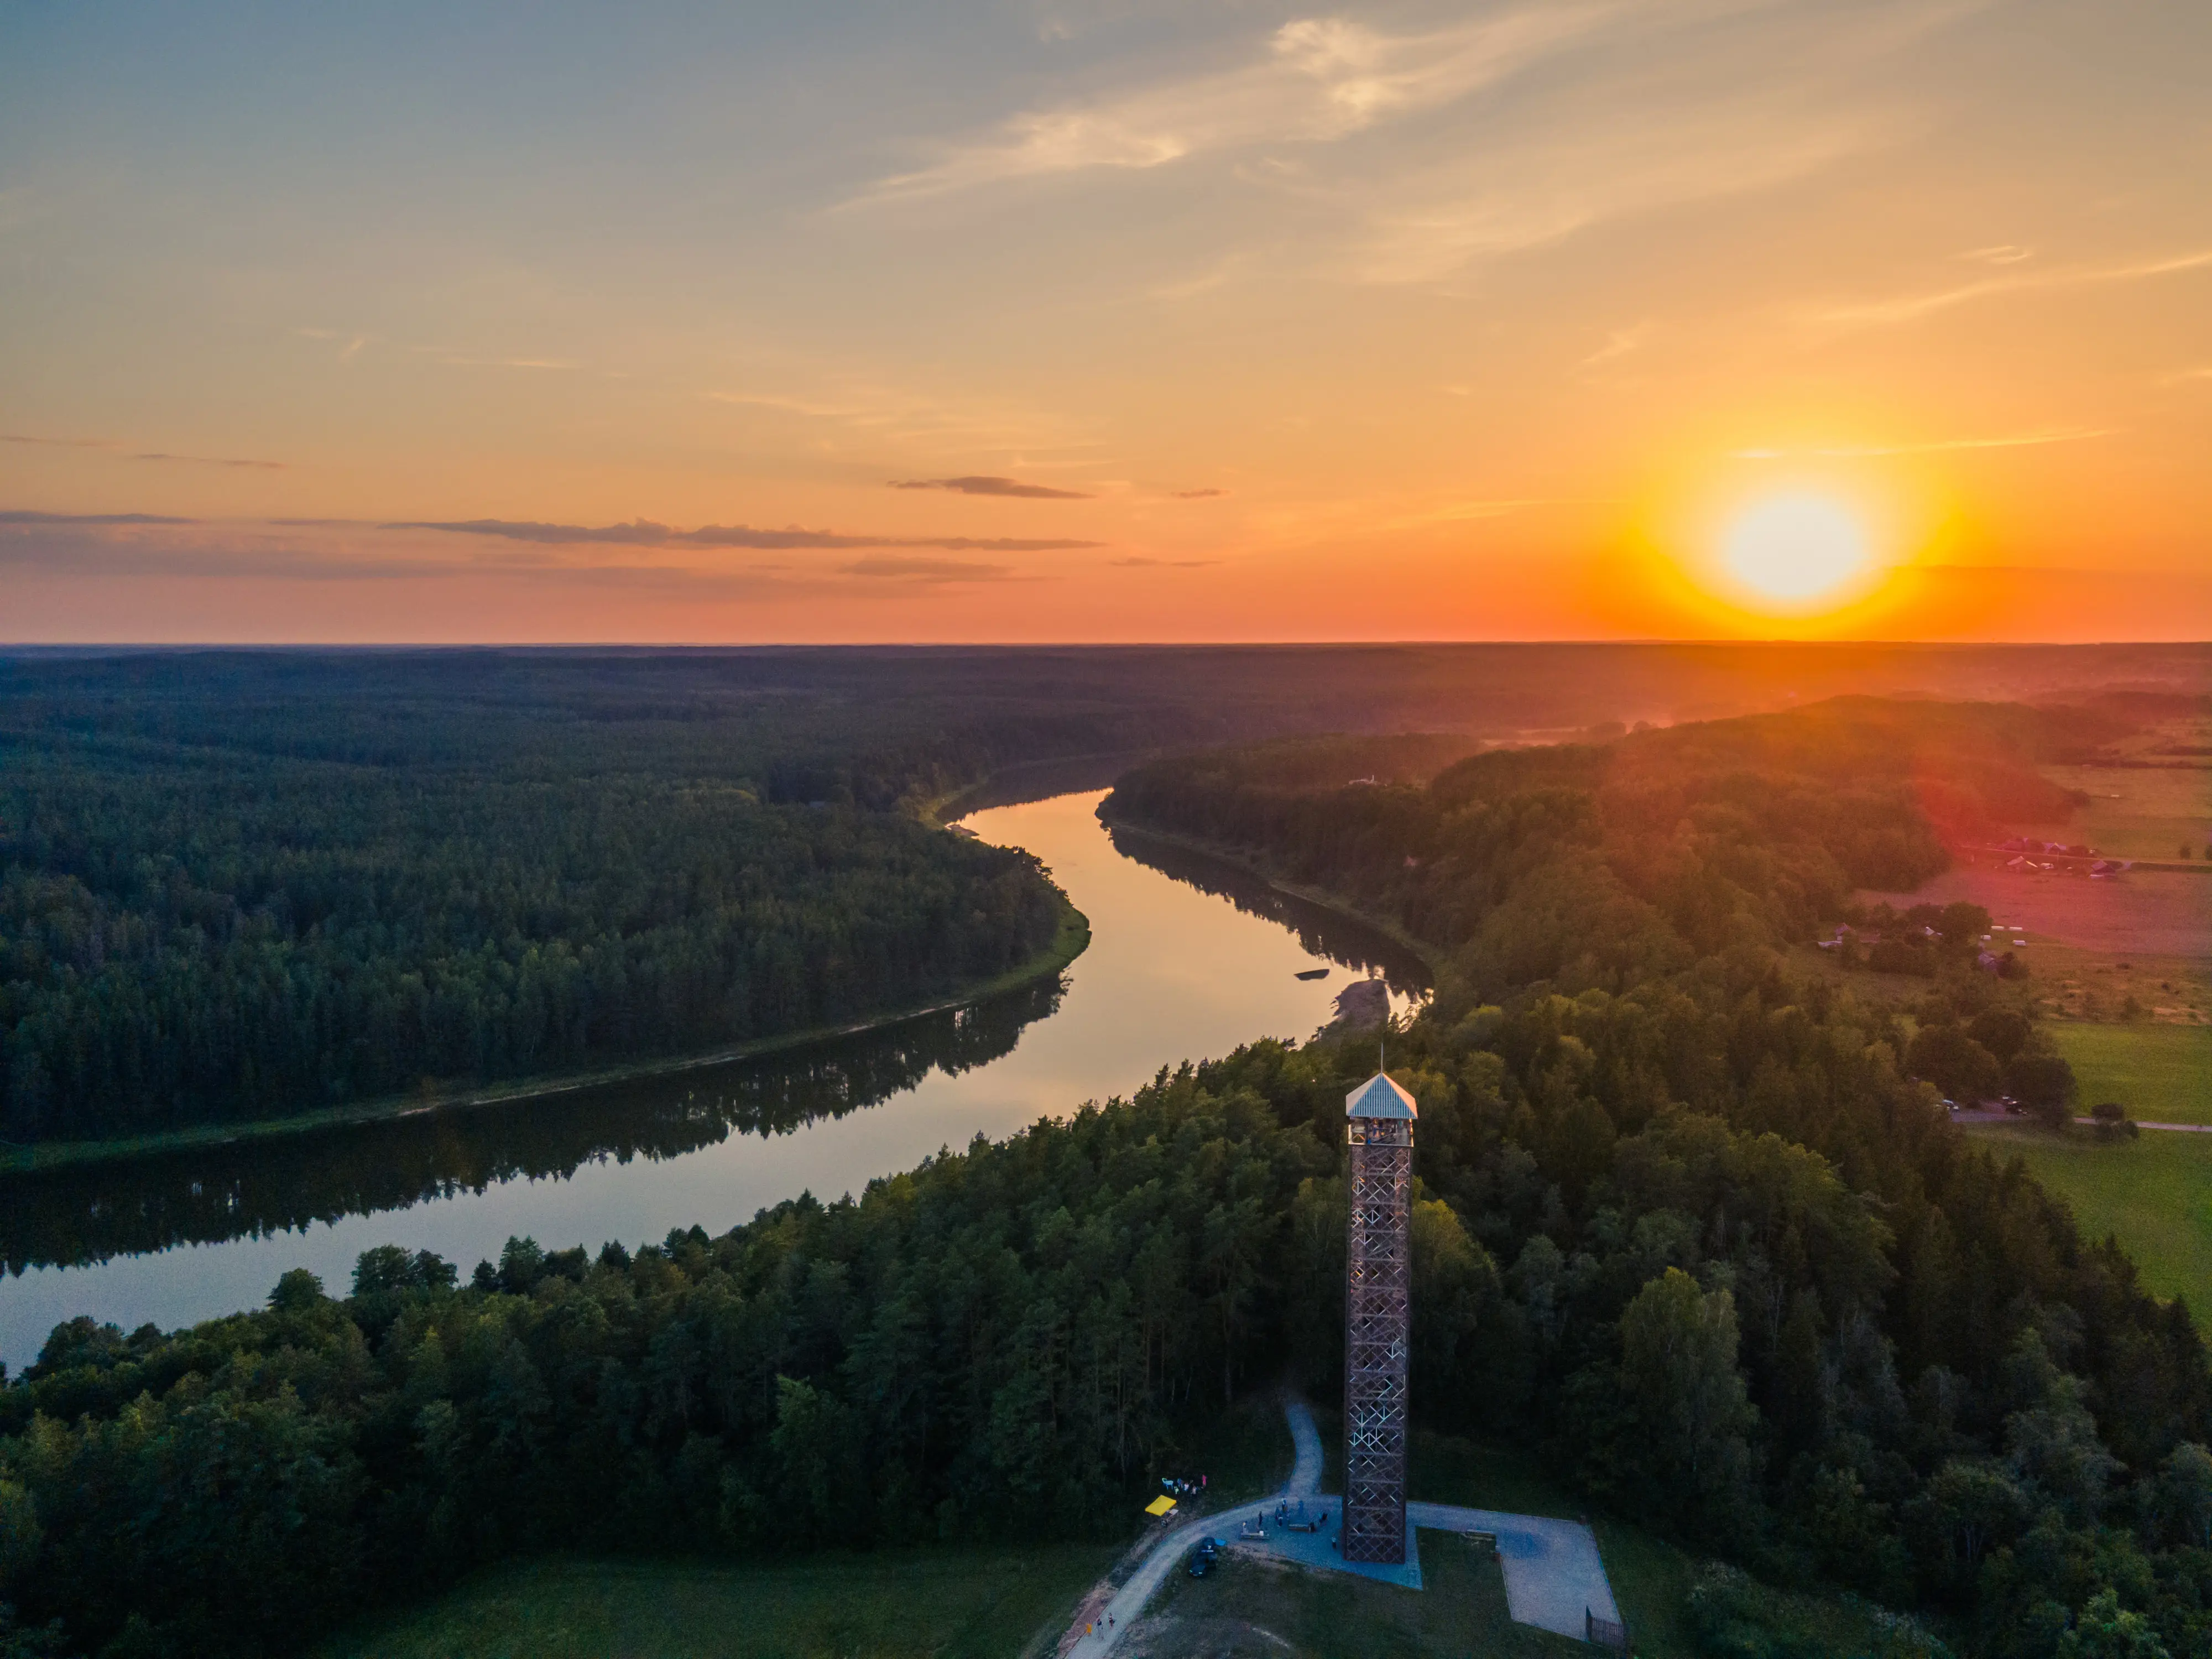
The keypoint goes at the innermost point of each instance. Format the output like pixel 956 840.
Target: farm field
pixel 2154 1193
pixel 2160 1074
pixel 2157 912
pixel 2146 811
pixel 902 1604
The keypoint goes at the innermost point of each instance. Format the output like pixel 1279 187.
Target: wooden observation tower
pixel 1377 1315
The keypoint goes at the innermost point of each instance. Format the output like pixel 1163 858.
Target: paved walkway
pixel 1553 1573
pixel 1305 1469
pixel 1552 1570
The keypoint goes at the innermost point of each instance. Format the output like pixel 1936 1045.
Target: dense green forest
pixel 1686 1220
pixel 246 885
pixel 242 887
pixel 186 939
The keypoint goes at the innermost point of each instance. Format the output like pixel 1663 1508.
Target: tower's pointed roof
pixel 1379 1097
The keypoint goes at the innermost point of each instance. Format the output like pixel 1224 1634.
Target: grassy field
pixel 2143 811
pixel 2154 1193
pixel 908 1604
pixel 953 1603
pixel 2160 1074
pixel 1649 1576
pixel 1252 1609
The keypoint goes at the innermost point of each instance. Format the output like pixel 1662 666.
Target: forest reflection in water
pixel 1321 931
pixel 254 1187
pixel 1189 957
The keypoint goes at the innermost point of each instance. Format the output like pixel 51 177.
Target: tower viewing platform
pixel 1378 1316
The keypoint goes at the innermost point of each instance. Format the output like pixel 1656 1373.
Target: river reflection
pixel 1173 972
pixel 74 1217
pixel 1320 931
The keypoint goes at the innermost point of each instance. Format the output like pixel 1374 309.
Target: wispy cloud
pixel 643 533
pixel 1206 494
pixel 2057 435
pixel 347 350
pixel 211 460
pixel 926 420
pixel 21 516
pixel 1617 344
pixel 976 485
pixel 144 545
pixel 1910 307
pixel 1463 512
pixel 1141 564
pixel 55 443
pixel 113 447
pixel 926 571
pixel 89 549
pixel 1317 79
pixel 451 359
pixel 1581 168
pixel 1512 129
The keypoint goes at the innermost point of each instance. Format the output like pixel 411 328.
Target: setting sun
pixel 1795 549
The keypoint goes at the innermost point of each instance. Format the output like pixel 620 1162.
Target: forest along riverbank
pixel 1181 965
pixel 1073 935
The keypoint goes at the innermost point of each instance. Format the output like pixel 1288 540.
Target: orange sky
pixel 1102 320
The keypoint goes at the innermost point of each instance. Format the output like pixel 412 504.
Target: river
pixel 1188 958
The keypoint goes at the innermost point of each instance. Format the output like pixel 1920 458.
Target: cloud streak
pixel 643 533
pixel 55 443
pixel 2063 435
pixel 977 485
pixel 1318 79
pixel 212 460
pixel 19 516
pixel 926 571
pixel 1910 307
pixel 1525 125
pixel 111 445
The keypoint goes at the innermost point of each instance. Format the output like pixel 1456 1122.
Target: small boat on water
pixel 1313 973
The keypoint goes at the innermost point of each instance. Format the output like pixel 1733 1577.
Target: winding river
pixel 1188 957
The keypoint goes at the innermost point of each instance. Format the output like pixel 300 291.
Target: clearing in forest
pixel 2154 1193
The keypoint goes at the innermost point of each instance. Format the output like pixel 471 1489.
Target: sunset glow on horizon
pixel 1062 320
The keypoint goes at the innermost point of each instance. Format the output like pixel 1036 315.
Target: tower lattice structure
pixel 1378 1310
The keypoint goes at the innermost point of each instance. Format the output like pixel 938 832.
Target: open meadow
pixel 2160 1074
pixel 2151 806
pixel 895 1604
pixel 2154 1193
